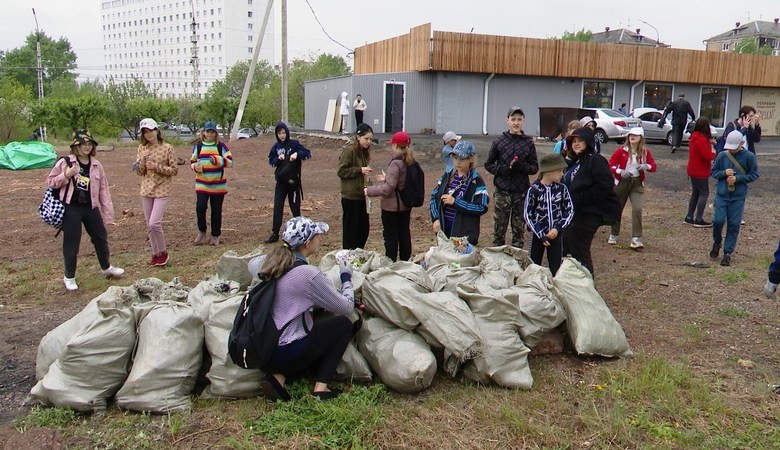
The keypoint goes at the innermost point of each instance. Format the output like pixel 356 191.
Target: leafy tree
pixel 311 68
pixel 71 113
pixel 14 109
pixel 219 105
pixel 58 61
pixel 132 100
pixel 577 36
pixel 188 112
pixel 749 46
pixel 264 106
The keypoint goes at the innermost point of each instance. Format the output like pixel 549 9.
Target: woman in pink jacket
pixel 84 192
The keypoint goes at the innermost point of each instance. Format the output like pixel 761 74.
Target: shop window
pixel 598 94
pixel 657 95
pixel 713 105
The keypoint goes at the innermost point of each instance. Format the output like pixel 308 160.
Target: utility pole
pixel 251 74
pixel 39 71
pixel 284 62
pixel 194 59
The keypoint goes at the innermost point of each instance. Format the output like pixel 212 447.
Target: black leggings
pixel 554 252
pixel 322 347
pixel 398 238
pixel 355 226
pixel 700 190
pixel 71 236
pixel 579 237
pixel 293 195
pixel 201 205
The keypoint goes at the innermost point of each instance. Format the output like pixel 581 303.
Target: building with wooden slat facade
pixel 434 81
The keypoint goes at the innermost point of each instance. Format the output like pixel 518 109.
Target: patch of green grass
pixel 346 421
pixel 47 417
pixel 735 276
pixel 693 331
pixel 731 311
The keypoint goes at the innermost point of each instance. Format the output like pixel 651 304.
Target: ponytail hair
pixel 277 262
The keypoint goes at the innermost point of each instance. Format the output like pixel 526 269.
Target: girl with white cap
pixel 628 165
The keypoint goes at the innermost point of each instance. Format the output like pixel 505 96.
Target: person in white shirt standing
pixel 360 107
pixel 344 111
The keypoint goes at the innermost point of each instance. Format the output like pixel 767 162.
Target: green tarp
pixel 27 155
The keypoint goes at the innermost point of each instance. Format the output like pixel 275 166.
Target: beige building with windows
pixel 763 33
pixel 152 40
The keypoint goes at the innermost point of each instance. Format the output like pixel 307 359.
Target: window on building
pixel 250 38
pixel 725 47
pixel 657 95
pixel 249 14
pixel 250 49
pixel 249 26
pixel 598 94
pixel 713 104
pixel 249 2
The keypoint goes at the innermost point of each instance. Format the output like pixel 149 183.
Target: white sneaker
pixel 636 243
pixel 770 289
pixel 612 239
pixel 70 283
pixel 113 272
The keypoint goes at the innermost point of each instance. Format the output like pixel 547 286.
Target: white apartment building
pixel 152 40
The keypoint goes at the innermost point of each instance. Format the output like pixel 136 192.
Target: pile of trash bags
pixel 474 314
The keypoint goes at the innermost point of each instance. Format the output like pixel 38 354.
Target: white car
pixel 612 124
pixel 650 118
pixel 246 133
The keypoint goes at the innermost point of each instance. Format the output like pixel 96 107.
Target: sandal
pixel 327 395
pixel 272 390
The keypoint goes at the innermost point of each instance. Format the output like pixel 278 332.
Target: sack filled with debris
pixel 540 309
pixel 235 267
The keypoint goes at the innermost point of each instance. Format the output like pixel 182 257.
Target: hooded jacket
pixel 468 209
pixel 590 181
pixel 722 162
pixel 509 147
pixel 344 104
pixel 287 147
pixel 700 156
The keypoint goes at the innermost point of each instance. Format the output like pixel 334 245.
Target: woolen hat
pixel 300 230
pixel 450 135
pixel 734 140
pixel 400 138
pixel 149 124
pixel 82 137
pixel 551 162
pixel 210 126
pixel 464 149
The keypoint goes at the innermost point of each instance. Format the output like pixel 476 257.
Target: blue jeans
pixel 727 212
pixel 774 268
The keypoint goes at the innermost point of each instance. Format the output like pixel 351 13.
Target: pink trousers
pixel 154 209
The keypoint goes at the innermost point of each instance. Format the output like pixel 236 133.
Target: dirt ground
pixel 657 295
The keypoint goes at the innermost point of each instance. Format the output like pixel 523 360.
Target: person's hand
pixel 280 155
pixel 755 119
pixel 345 271
pixel 552 234
pixel 293 157
pixel 634 172
pixel 436 226
pixel 151 165
pixel 198 167
pixel 71 171
pixel 546 243
pixel 213 160
pixel 644 166
pixel 380 178
pixel 731 179
pixel 366 170
pixel 447 199
pixel 729 172
pixel 136 166
pixel 365 192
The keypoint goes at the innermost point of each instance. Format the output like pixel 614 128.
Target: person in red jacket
pixel 628 165
pixel 701 153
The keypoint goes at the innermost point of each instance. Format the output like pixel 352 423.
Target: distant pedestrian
pixel 450 139
pixel 286 156
pixel 395 214
pixel 84 192
pixel 589 122
pixel 548 211
pixel 460 197
pixel 560 146
pixel 701 152
pixel 628 165
pixel 623 109
pixel 156 163
pixel 355 171
pixel 512 159
pixel 680 110
pixel 360 108
pixel 209 159
pixel 773 277
pixel 733 169
pixel 749 123
pixel 344 111
pixel 590 183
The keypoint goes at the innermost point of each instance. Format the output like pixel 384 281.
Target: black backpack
pixel 254 336
pixel 413 193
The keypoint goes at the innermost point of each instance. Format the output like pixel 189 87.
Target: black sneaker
pixel 715 250
pixel 726 261
pixel 702 224
pixel 674 149
pixel 274 237
pixel 689 220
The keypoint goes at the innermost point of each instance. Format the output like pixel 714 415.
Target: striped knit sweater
pixel 298 292
pixel 211 180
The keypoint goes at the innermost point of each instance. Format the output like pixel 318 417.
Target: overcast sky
pixel 680 23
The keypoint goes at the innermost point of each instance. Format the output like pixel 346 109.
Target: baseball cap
pixel 210 126
pixel 149 124
pixel 400 138
pixel 450 135
pixel 515 110
pixel 464 149
pixel 638 131
pixel 586 120
pixel 300 230
pixel 733 140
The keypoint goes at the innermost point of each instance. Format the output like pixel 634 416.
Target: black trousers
pixel 398 238
pixel 358 117
pixel 700 190
pixel 201 205
pixel 579 237
pixel 677 132
pixel 354 223
pixel 320 350
pixel 554 252
pixel 293 195
pixel 71 236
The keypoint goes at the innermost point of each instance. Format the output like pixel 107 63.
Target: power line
pixel 323 28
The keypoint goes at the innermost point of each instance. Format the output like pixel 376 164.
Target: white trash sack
pixel 447 253
pixel 402 360
pixel 353 365
pixel 208 291
pixel 592 327
pixel 540 308
pixel 235 267
pixel 167 359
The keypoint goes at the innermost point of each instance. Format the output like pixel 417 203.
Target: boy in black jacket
pixel 512 159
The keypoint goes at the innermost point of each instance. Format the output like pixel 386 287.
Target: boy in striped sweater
pixel 209 159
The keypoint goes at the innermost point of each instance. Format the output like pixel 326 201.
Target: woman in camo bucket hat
pixel 84 192
pixel 306 344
